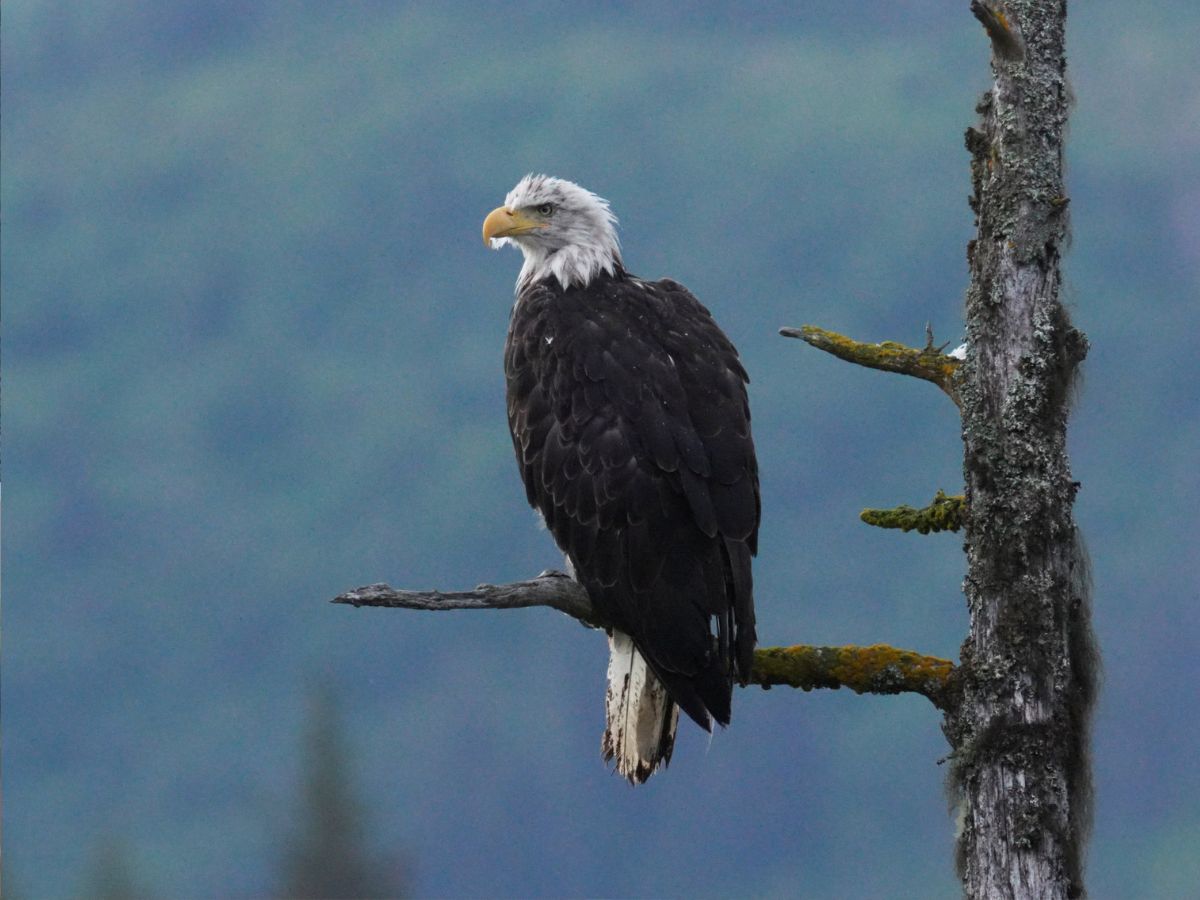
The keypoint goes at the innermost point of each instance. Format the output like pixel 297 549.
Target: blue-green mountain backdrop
pixel 253 359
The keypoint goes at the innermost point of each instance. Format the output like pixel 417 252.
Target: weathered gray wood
pixel 1028 665
pixel 553 589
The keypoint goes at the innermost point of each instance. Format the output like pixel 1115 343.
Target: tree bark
pixel 1028 665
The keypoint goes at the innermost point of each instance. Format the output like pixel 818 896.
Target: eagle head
pixel 564 231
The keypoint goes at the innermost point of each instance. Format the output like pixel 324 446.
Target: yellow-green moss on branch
pixel 878 669
pixel 929 363
pixel 943 514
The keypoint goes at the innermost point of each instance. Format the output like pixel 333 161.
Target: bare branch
pixel 877 669
pixel 928 364
pixel 943 514
pixel 551 588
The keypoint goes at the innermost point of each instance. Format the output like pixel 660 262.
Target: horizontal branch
pixel 943 514
pixel 551 588
pixel 929 363
pixel 878 669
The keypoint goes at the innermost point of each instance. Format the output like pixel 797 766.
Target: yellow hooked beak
pixel 504 222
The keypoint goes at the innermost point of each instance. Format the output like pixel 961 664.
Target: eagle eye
pixel 546 209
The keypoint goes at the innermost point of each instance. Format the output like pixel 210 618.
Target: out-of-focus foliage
pixel 252 359
pixel 324 854
pixel 112 875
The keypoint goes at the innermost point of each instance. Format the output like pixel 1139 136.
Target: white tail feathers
pixel 640 716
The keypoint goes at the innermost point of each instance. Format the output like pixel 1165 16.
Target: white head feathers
pixel 575 238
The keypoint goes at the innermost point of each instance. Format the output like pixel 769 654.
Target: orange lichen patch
pixel 878 669
pixel 863 669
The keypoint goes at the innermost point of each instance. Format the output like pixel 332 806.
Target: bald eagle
pixel 629 417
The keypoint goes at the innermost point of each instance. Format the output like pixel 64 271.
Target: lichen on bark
pixel 1028 665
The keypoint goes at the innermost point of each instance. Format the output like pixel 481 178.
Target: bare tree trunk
pixel 1028 665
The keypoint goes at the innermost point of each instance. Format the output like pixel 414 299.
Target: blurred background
pixel 253 359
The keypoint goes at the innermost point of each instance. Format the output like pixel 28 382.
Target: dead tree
pixel 1017 705
pixel 1020 731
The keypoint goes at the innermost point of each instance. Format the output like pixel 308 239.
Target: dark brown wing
pixel 631 425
